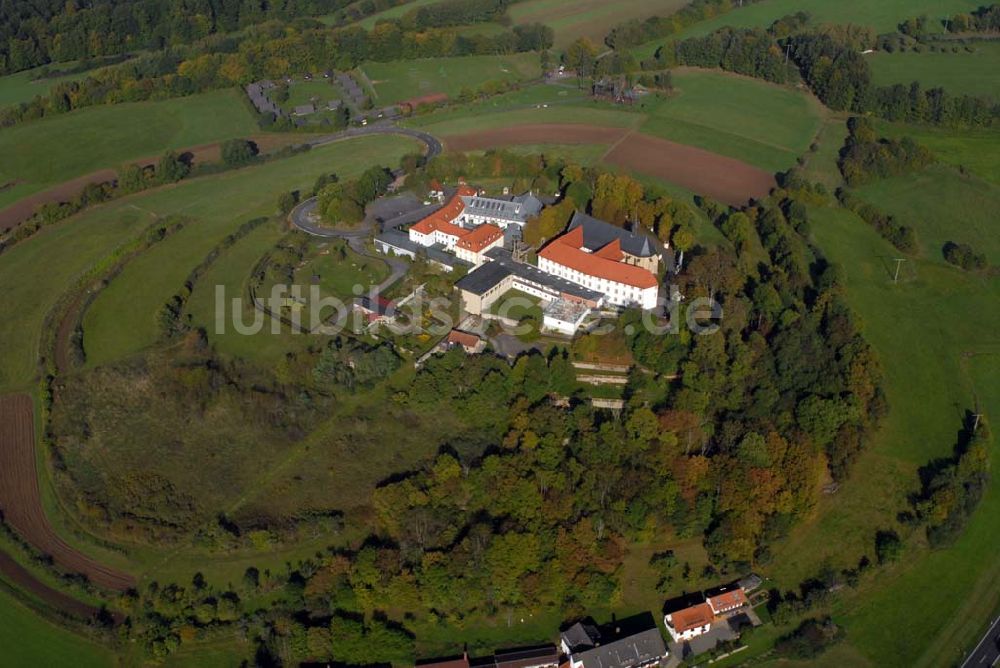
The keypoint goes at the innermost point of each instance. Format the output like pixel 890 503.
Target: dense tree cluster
pixel 964 256
pixel 637 31
pixel 901 236
pixel 953 487
pixel 344 202
pixel 866 157
pixel 984 19
pixel 809 640
pixel 749 51
pixel 271 50
pixel 354 365
pixel 44 31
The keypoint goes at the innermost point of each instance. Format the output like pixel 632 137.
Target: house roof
pixel 480 238
pixel 691 618
pixel 441 219
pixel 459 662
pixel 520 658
pixel 580 636
pixel 728 600
pixel 568 250
pixel 464 339
pixel 597 234
pixel 484 278
pixel 517 209
pixel 634 650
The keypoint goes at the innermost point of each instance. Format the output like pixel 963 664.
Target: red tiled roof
pixel 605 263
pixel 463 339
pixel 692 618
pixel 480 238
pixel 441 219
pixel 728 600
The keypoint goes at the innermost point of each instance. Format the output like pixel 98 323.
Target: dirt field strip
pixel 21 499
pixel 23 578
pixel 702 172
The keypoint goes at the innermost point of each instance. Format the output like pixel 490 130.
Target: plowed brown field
pixel 21 500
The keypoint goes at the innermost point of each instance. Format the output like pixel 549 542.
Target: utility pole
pixel 975 425
pixel 899 263
pixel 788 47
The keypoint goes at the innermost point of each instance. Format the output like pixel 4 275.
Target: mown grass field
pixel 943 206
pixel 756 122
pixel 976 150
pixel 402 80
pixel 29 84
pixel 29 640
pixel 883 16
pixel 924 328
pixel 958 73
pixel 122 320
pixel 47 152
pixel 305 92
pixel 587 18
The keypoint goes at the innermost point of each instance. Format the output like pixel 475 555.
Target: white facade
pixel 688 634
pixel 435 237
pixel 477 257
pixel 619 294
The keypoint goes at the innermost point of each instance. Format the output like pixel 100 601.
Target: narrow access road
pixel 987 652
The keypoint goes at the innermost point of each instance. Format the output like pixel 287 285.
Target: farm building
pixel 586 646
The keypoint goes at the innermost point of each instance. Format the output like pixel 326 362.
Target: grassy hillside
pixel 883 16
pixel 942 205
pixel 587 18
pixel 122 320
pixel 759 123
pixel 29 640
pixel 977 151
pixel 959 73
pixel 44 153
pixel 29 84
pixel 401 80
pixel 925 327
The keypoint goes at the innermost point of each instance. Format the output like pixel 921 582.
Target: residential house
pixel 586 646
pixel 689 622
pixel 470 343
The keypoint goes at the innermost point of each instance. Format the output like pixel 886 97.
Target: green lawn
pixel 821 165
pixel 122 320
pixel 587 18
pixel 44 153
pixel 29 84
pixel 29 640
pixel 391 13
pixel 883 15
pixel 975 150
pixel 958 73
pixel 402 80
pixel 942 205
pixel 756 122
pixel 927 609
pixel 319 91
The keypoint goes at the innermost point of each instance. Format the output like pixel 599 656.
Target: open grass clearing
pixel 821 164
pixel 318 91
pixel 942 205
pixel 47 152
pixel 923 329
pixel 122 320
pixel 29 640
pixel 405 79
pixel 27 85
pixel 587 18
pixel 748 119
pixel 961 73
pixel 975 150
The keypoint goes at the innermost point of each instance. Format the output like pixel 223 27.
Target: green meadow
pixel 942 205
pixel 759 123
pixel 587 18
pixel 958 73
pixel 27 639
pixel 122 320
pixel 44 153
pixel 975 150
pixel 934 334
pixel 402 80
pixel 29 84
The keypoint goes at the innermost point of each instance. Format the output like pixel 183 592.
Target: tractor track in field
pixel 21 498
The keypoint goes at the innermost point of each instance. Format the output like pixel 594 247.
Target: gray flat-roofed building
pixel 483 279
pixel 480 210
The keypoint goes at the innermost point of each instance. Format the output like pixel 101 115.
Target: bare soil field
pixel 21 501
pixel 702 172
pixel 24 208
pixel 22 577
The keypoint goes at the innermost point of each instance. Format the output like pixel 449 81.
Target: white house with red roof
pixel 473 246
pixel 605 258
pixel 439 228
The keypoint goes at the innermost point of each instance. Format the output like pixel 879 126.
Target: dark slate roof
pixel 437 253
pixel 597 234
pixel 580 637
pixel 480 281
pixel 516 209
pixel 535 275
pixel 398 239
pixel 634 650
